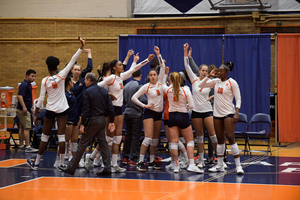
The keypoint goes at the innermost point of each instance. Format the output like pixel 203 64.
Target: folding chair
pixel 241 129
pixel 261 120
pixel 14 131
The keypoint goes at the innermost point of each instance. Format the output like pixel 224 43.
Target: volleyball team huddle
pixel 164 91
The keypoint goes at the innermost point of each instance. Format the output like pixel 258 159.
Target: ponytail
pixel 175 79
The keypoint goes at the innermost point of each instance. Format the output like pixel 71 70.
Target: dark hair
pixel 112 64
pixel 182 83
pixel 137 73
pixel 67 80
pixel 152 69
pixel 105 68
pixel 91 76
pixel 230 65
pixel 30 71
pixel 153 63
pixel 52 63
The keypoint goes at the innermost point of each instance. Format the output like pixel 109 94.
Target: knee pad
pixel 200 139
pixel 117 139
pixel 154 142
pixel 182 139
pixel 109 140
pixel 234 149
pixel 180 145
pixel 174 145
pixel 74 146
pixel 220 149
pixel 213 138
pixel 146 141
pixel 61 138
pixel 45 138
pixel 190 144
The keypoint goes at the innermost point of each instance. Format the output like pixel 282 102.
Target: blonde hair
pixel 203 65
pixel 175 79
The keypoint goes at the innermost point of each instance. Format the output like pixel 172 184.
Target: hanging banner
pixel 192 7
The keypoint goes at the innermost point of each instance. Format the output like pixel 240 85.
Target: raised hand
pixel 130 53
pixel 213 73
pixel 186 47
pixel 82 41
pixel 167 70
pixel 156 50
pixel 136 58
pixel 151 56
pixel 87 51
pixel 190 52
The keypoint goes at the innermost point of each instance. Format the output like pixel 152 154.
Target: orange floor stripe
pixel 95 188
pixel 12 162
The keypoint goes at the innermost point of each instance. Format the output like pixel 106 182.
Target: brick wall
pixel 26 43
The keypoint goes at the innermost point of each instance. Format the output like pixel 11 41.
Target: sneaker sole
pixel 33 168
pixel 141 170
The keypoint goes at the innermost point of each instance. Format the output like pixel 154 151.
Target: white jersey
pixel 114 83
pixel 55 88
pixel 154 92
pixel 185 97
pixel 200 95
pixel 223 97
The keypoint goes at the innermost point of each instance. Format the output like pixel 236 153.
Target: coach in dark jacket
pixel 96 101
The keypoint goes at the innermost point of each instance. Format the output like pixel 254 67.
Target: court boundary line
pixel 19 183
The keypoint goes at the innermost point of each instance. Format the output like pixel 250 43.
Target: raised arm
pixel 63 73
pixel 206 82
pixel 126 75
pixel 106 81
pixel 193 64
pixel 89 66
pixel 129 54
pixel 188 69
pixel 161 65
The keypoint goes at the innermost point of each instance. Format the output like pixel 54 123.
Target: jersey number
pixel 121 86
pixel 54 85
pixel 201 89
pixel 158 93
pixel 220 90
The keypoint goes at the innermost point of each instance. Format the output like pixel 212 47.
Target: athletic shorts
pixel 150 114
pixel 24 120
pixel 182 120
pixel 230 115
pixel 118 110
pixel 52 115
pixel 166 122
pixel 71 123
pixel 201 115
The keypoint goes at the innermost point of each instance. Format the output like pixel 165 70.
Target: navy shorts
pixel 117 110
pixel 230 115
pixel 71 123
pixel 150 114
pixel 52 115
pixel 201 115
pixel 182 120
pixel 166 122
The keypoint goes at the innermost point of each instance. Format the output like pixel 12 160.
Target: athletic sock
pixel 152 158
pixel 191 161
pixel 186 158
pixel 114 160
pixel 142 158
pixel 94 154
pixel 38 159
pixel 201 156
pixel 237 161
pixel 62 158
